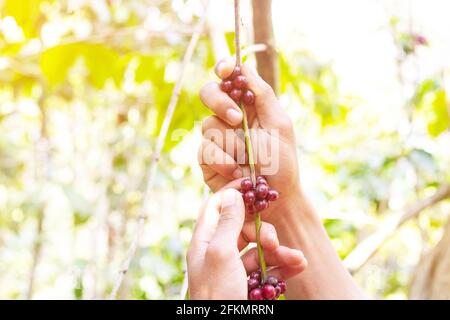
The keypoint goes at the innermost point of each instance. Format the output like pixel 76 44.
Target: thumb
pixel 231 219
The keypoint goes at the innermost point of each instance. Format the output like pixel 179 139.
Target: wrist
pixel 295 217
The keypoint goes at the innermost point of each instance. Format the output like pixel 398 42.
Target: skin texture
pixel 293 216
pixel 266 114
pixel 215 267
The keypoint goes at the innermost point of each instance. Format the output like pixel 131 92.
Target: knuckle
pixel 266 90
pixel 216 252
pixel 286 123
pixel 270 228
pixel 207 153
pixel 227 218
pixel 208 124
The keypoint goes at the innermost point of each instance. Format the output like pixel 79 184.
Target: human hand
pixel 216 270
pixel 222 164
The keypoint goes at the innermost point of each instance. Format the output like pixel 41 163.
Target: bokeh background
pixel 84 89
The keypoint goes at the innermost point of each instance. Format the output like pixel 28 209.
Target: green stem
pixel 251 162
pixel 248 141
pixel 262 261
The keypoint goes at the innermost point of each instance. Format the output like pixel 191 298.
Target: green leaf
pixel 56 62
pixel 229 37
pixel 439 119
pixel 289 78
pixel 80 206
pixel 120 68
pixel 26 13
pixel 102 62
pixel 188 110
pixel 423 89
pixel 152 68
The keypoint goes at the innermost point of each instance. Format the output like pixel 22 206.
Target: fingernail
pixel 222 64
pixel 273 237
pixel 228 198
pixel 300 253
pixel 219 66
pixel 237 174
pixel 234 116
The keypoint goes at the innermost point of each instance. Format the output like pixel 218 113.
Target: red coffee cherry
pixel 272 195
pixel 226 86
pixel 248 98
pixel 246 185
pixel 240 82
pixel 268 292
pixel 249 198
pixel 252 284
pixel 256 294
pixel 236 72
pixel 261 191
pixel 236 95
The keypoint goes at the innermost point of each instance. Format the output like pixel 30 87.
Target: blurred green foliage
pixel 84 89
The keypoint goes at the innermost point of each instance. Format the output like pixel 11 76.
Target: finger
pixel 214 180
pixel 287 261
pixel 286 272
pixel 205 228
pixel 224 68
pixel 266 98
pixel 227 138
pixel 267 106
pixel 220 104
pixel 268 236
pixel 212 156
pixel 229 226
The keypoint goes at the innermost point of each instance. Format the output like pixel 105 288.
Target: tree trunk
pixel 431 279
pixel 267 60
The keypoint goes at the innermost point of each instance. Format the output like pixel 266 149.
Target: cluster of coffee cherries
pixel 236 87
pixel 271 289
pixel 257 198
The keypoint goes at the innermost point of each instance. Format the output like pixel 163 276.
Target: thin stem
pixel 156 155
pixel 249 146
pixel 237 29
pixel 248 143
pixel 262 261
pixel 251 162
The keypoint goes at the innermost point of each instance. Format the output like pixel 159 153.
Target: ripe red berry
pixel 261 205
pixel 236 72
pixel 272 280
pixel 246 185
pixel 249 198
pixel 240 82
pixel 268 292
pixel 261 180
pixel 421 39
pixel 278 292
pixel 236 94
pixel 261 191
pixel 272 195
pixel 256 294
pixel 248 98
pixel 282 286
pixel 226 86
pixel 252 283
pixel 256 275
